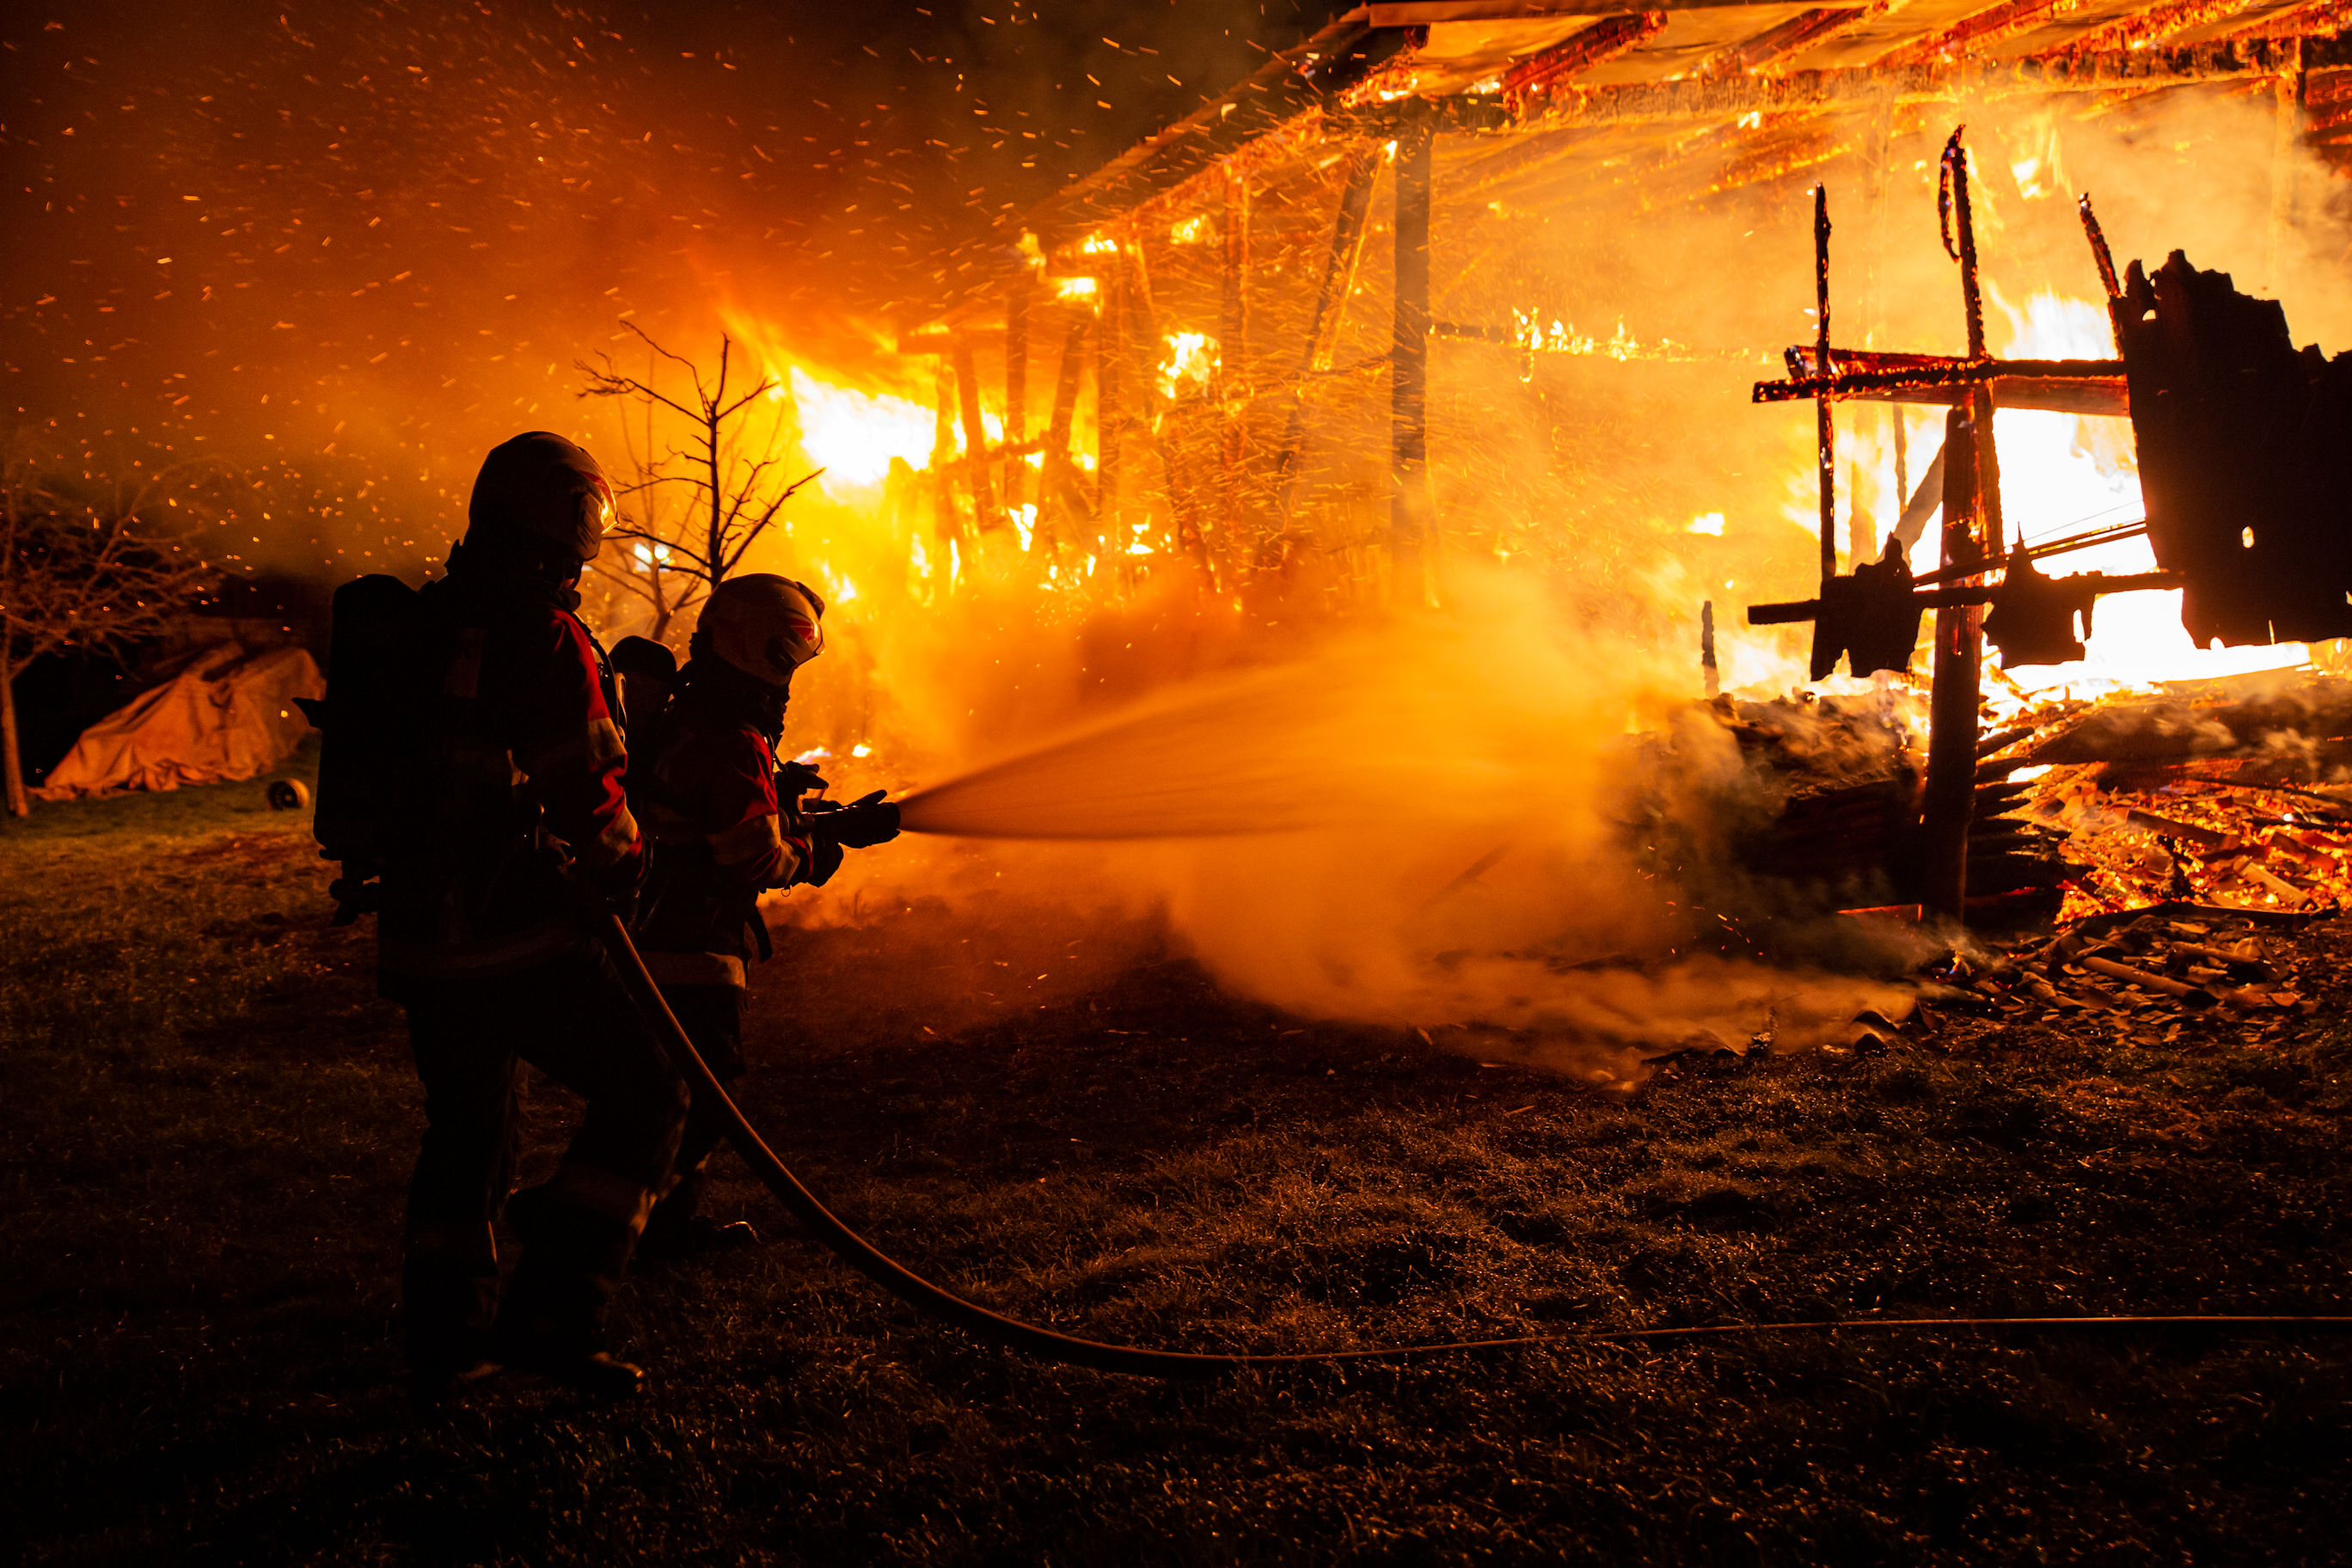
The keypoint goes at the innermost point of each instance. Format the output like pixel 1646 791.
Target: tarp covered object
pixel 229 715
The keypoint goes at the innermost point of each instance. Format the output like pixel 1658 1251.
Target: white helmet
pixel 765 625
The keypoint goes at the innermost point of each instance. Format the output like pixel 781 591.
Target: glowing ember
pixel 1192 361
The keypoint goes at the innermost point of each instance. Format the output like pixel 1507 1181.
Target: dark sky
pixel 343 247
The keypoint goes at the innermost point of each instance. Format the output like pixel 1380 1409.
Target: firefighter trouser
pixel 713 1016
pixel 570 1018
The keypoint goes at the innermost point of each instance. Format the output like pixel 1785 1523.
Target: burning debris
pixel 2151 971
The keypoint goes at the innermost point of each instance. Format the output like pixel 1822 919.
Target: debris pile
pixel 2215 792
pixel 2154 968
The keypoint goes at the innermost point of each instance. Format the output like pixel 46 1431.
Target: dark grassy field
pixel 208 1119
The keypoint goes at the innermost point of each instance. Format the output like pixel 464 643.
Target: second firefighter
pixel 705 784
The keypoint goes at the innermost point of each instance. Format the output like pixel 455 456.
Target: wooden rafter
pixel 1976 30
pixel 2155 24
pixel 2324 16
pixel 1780 43
pixel 1604 40
pixel 1796 92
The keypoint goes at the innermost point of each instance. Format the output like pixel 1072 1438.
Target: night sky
pixel 341 249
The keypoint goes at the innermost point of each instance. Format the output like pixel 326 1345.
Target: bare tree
pixel 643 566
pixel 92 571
pixel 694 507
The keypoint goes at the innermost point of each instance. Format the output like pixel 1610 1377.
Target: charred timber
pixel 1794 611
pixel 2060 385
pixel 1797 92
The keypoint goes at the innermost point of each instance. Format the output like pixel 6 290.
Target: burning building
pixel 1456 285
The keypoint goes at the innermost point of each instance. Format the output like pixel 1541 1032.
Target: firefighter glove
pixel 795 780
pixel 860 825
pixel 823 860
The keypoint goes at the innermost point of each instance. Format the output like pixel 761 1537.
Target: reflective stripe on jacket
pixel 718 837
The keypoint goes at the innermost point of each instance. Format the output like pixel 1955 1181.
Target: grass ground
pixel 207 1120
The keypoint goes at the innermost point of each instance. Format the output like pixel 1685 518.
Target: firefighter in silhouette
pixel 727 824
pixel 506 821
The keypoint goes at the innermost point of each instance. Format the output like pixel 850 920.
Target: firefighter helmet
pixel 765 625
pixel 543 487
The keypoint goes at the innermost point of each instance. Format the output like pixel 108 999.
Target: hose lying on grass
pixel 934 1302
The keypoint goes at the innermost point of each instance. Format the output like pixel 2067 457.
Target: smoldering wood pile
pixel 1849 782
pixel 2216 791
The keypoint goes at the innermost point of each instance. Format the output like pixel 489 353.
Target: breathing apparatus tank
pixel 367 723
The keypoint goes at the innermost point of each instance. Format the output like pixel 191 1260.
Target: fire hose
pixel 1051 1345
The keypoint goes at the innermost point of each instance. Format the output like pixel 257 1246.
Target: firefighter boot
pixel 674 1232
pixel 552 1321
pixel 448 1288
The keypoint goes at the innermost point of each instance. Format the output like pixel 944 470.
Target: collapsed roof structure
pixel 1211 270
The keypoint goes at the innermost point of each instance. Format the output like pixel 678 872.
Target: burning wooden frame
pixel 1204 451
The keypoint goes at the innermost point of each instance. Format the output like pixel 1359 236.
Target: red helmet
pixel 765 625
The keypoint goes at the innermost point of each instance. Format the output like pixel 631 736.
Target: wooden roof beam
pixel 1798 32
pixel 1604 40
pixel 1799 92
pixel 2153 26
pixel 1976 30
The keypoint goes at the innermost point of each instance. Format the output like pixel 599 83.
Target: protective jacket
pixel 719 835
pixel 512 783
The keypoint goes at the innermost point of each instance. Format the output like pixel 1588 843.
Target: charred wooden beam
pixel 1800 92
pixel 1330 300
pixel 1066 387
pixel 1061 491
pixel 1798 32
pixel 2143 28
pixel 1934 595
pixel 1017 383
pixel 1234 360
pixel 986 514
pixel 1604 40
pixel 1949 798
pixel 2067 386
pixel 1976 30
pixel 946 521
pixel 1825 422
pixel 1110 404
pixel 1408 373
pixel 1971 522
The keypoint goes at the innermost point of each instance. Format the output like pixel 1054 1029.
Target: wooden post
pixel 1952 702
pixel 1708 670
pixel 1902 457
pixel 1824 423
pixel 1971 487
pixel 1232 366
pixel 1059 494
pixel 1111 414
pixel 1016 389
pixel 985 514
pixel 1331 301
pixel 1183 508
pixel 947 523
pixel 1409 519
